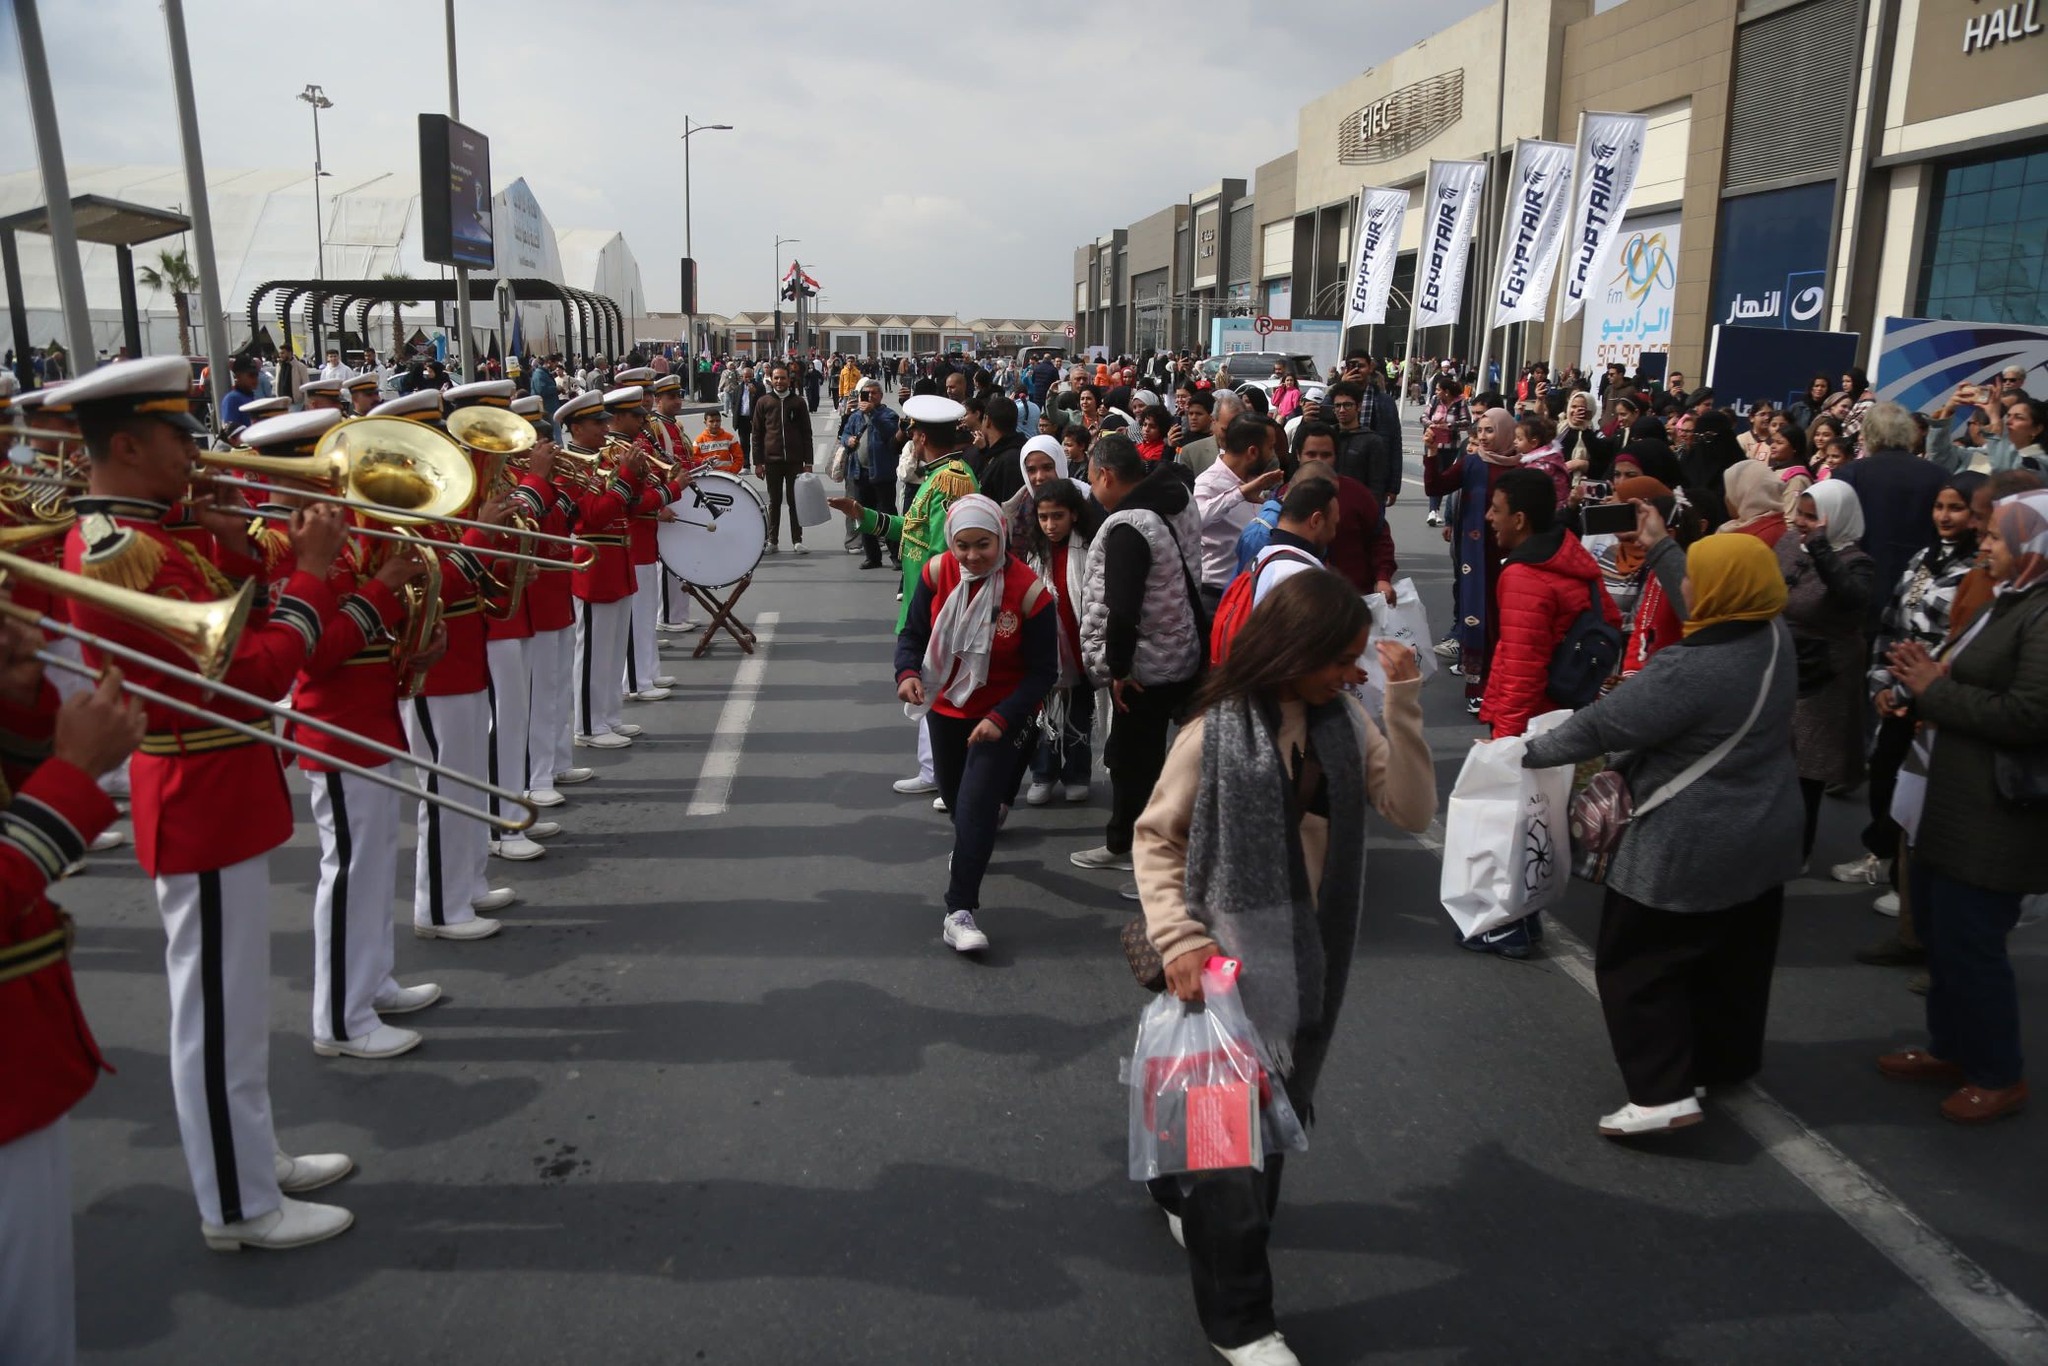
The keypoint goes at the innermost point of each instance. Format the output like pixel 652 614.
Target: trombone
pixel 205 633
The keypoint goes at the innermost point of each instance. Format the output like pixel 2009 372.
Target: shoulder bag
pixel 1600 812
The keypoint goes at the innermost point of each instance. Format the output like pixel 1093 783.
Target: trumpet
pixel 502 438
pixel 206 633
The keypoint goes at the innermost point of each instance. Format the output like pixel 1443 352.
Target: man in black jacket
pixel 782 449
pixel 1001 469
pixel 1363 452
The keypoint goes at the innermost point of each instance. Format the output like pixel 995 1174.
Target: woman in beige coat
pixel 1253 845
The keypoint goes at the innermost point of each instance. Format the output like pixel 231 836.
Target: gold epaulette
pixel 121 556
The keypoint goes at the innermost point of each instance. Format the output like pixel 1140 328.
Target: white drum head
pixel 718 533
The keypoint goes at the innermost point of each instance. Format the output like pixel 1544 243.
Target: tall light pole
pixel 316 97
pixel 780 243
pixel 461 272
pixel 690 130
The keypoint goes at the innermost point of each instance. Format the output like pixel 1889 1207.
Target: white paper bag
pixel 1403 620
pixel 1507 850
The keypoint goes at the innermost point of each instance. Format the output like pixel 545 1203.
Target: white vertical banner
pixel 1377 239
pixel 1450 204
pixel 1610 155
pixel 1531 230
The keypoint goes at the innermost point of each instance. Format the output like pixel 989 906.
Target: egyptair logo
pixel 1603 151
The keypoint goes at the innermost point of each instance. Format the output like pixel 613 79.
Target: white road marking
pixel 2004 1323
pixel 722 762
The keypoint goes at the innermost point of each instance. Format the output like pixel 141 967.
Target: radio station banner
pixel 1372 267
pixel 1610 155
pixel 1628 313
pixel 1531 230
pixel 1450 204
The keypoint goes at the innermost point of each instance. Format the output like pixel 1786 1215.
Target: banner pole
pixel 1554 329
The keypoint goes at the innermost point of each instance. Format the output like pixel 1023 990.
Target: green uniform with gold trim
pixel 920 533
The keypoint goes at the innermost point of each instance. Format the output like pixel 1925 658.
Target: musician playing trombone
pixel 209 804
pixel 627 407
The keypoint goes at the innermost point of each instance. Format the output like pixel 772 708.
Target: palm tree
pixel 173 271
pixel 397 315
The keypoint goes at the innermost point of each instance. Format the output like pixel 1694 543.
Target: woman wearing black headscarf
pixel 1653 458
pixel 1713 450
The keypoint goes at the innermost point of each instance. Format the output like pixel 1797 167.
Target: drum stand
pixel 721 616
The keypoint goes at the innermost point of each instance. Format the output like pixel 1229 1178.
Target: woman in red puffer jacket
pixel 1546 580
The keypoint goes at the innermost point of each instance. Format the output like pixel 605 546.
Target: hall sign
pixel 1398 123
pixel 2002 24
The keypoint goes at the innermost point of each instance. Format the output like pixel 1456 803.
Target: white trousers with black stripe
pixel 511 721
pixel 601 629
pixel 352 926
pixel 38 1320
pixel 550 748
pixel 642 658
pixel 217 958
pixel 448 873
pixel 675 600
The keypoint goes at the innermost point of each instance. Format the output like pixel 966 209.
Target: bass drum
pixel 718 533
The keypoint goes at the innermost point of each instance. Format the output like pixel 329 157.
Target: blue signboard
pixel 1770 264
pixel 1749 364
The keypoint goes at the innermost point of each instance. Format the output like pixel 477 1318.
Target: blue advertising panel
pixel 1920 361
pixel 1748 364
pixel 1770 264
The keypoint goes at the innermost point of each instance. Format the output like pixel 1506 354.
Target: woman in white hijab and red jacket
pixel 978 652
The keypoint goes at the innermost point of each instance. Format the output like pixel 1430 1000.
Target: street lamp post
pixel 780 243
pixel 690 130
pixel 316 97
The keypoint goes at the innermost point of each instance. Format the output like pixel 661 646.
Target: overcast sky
pixel 941 158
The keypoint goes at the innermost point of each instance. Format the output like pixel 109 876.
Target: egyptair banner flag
pixel 1610 155
pixel 1450 205
pixel 1372 267
pixel 1531 229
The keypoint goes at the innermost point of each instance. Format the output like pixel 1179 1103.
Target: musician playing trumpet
pixel 627 407
pixel 608 481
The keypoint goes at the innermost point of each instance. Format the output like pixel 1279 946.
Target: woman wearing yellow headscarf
pixel 1689 930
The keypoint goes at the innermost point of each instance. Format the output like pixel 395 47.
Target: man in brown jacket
pixel 781 450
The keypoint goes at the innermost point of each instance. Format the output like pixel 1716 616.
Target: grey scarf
pixel 1247 882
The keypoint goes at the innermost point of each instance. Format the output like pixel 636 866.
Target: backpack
pixel 1236 607
pixel 1586 657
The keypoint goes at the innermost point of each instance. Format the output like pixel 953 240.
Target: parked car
pixel 1240 369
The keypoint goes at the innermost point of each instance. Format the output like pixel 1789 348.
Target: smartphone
pixel 1608 519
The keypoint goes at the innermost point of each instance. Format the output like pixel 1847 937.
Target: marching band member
pixel 49 807
pixel 322 394
pixel 667 425
pixel 254 411
pixel 643 681
pixel 421 405
pixel 448 720
pixel 212 874
pixel 351 680
pixel 361 392
pixel 604 586
pixel 550 610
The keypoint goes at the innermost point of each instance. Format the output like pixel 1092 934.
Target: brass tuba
pixel 502 438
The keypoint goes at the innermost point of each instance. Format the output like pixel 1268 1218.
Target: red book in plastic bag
pixel 1222 1126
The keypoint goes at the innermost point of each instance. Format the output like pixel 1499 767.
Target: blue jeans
pixel 1973 1007
pixel 1068 760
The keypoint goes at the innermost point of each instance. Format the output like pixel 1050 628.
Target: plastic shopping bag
pixel 1201 1096
pixel 1402 620
pixel 1507 852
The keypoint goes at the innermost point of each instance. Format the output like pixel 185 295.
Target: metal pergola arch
pixel 587 316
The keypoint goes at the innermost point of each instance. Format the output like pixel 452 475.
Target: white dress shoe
pixel 665 680
pixel 297 1175
pixel 649 695
pixel 479 928
pixel 385 1041
pixel 569 777
pixel 629 730
pixel 545 796
pixel 938 803
pixel 542 830
pixel 495 899
pixel 912 787
pixel 675 628
pixel 107 839
pixel 406 1000
pixel 518 848
pixel 1270 1350
pixel 1651 1119
pixel 602 740
pixel 294 1223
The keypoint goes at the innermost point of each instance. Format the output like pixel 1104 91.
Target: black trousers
pixel 1227 1220
pixel 780 476
pixel 975 780
pixel 879 494
pixel 1136 751
pixel 1887 752
pixel 1686 995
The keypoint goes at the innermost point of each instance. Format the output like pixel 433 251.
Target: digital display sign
pixel 455 194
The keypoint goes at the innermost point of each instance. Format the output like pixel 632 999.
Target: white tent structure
pixel 263 228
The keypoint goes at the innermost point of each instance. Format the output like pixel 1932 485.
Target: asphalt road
pixel 719 1094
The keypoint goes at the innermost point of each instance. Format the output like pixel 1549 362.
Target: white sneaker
pixel 1434 519
pixel 1173 1227
pixel 1651 1119
pixel 1870 868
pixel 478 928
pixel 1448 648
pixel 518 848
pixel 1270 1350
pixel 1099 857
pixel 542 830
pixel 914 787
pixel 629 731
pixel 799 549
pixel 107 839
pixel 385 1041
pixel 647 695
pixel 1129 892
pixel 602 740
pixel 665 680
pixel 545 796
pixel 406 1000
pixel 1888 904
pixel 938 803
pixel 495 899
pixel 297 1175
pixel 1038 794
pixel 569 777
pixel 1077 792
pixel 962 935
pixel 294 1223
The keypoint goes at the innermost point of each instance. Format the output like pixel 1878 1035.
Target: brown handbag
pixel 1143 959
